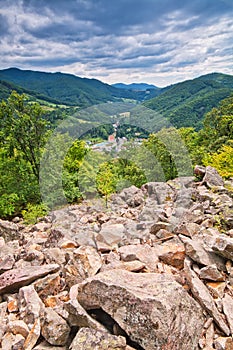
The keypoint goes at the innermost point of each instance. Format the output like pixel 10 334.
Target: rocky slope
pixel 152 271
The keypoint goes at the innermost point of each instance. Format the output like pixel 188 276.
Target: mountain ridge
pixel 136 86
pixel 184 104
pixel 79 91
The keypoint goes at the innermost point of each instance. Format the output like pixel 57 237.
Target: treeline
pixel 26 129
pixel 185 103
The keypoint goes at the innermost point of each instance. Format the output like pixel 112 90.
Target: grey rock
pixel 201 293
pixel 13 342
pixel 55 329
pixel 89 259
pixel 158 226
pixel 144 306
pixel 194 249
pixel 110 234
pixel 46 346
pixel 228 310
pixel 133 196
pixel 212 177
pixel 87 338
pixel 77 316
pixel 160 191
pixel 221 244
pixel 6 263
pixel 211 273
pixel 31 307
pixel 18 327
pixel 189 229
pixel 12 280
pixel 3 318
pixel 9 231
pixel 144 253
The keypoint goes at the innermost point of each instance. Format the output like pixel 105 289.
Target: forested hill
pixel 186 103
pixel 6 88
pixel 67 88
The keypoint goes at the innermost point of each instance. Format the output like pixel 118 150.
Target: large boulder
pixel 212 178
pixel 160 191
pixel 9 231
pixel 144 306
pixel 16 278
pixel 87 338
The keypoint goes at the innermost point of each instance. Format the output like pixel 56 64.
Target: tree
pixel 221 160
pixel 23 128
pixel 218 126
pixel 106 181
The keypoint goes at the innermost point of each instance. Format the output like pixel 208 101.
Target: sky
pixel 160 42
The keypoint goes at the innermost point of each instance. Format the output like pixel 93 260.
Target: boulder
pixel 228 310
pixel 79 317
pixel 14 279
pixel 195 250
pixel 223 343
pixel 110 234
pixel 18 327
pixel 201 293
pixel 55 329
pixel 87 338
pixel 143 305
pixel 31 307
pixel 3 320
pixel 133 196
pixel 144 253
pixel 9 231
pixel 44 345
pixel 11 341
pixel 221 244
pixel 160 191
pixel 172 254
pixel 212 178
pixel 212 273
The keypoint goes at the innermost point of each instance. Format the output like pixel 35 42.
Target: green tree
pixel 221 160
pixel 23 128
pixel 218 126
pixel 106 181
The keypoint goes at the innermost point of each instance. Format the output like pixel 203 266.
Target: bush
pixel 33 212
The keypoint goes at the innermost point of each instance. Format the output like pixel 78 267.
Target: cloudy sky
pixel 153 41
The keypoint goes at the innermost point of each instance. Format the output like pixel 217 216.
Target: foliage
pixel 171 154
pixel 218 126
pixel 8 204
pixel 80 172
pixel 106 181
pixel 24 129
pixel 221 160
pixel 18 184
pixel 78 91
pixel 33 212
pixel 186 103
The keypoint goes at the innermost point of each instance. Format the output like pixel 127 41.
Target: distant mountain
pixel 67 88
pixel 185 103
pixel 6 88
pixel 135 86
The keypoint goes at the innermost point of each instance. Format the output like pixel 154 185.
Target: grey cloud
pixel 119 16
pixel 109 36
pixel 3 26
